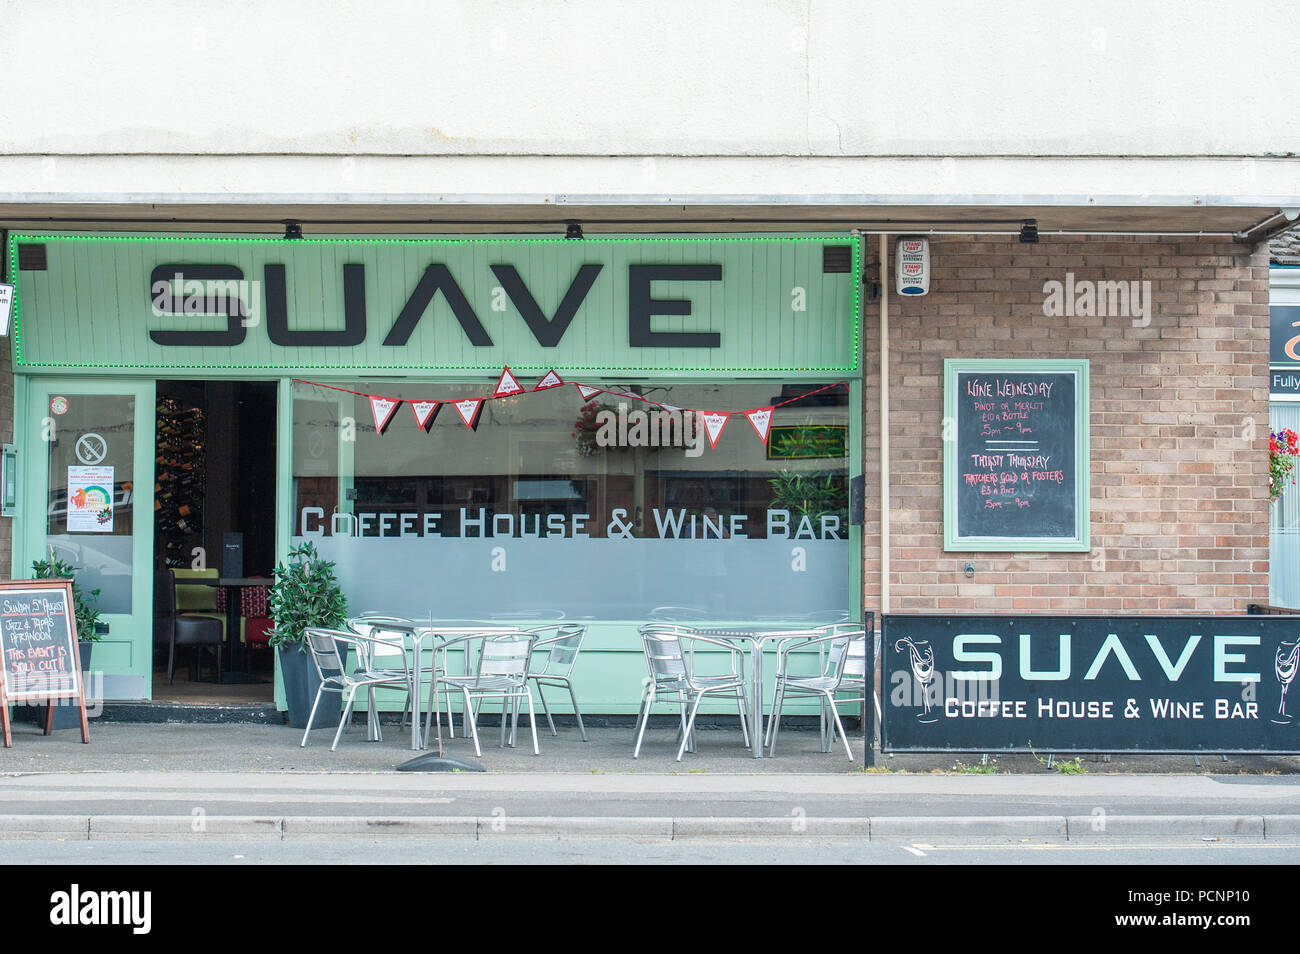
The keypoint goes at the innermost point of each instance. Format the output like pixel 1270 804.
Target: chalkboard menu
pixel 39 660
pixel 1016 455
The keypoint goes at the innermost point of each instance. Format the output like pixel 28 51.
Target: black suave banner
pixel 1090 683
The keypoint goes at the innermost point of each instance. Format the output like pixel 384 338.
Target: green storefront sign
pixel 731 305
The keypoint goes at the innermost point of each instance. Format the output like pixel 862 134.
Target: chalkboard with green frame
pixel 1015 463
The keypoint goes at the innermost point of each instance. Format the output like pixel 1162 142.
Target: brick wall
pixel 1179 429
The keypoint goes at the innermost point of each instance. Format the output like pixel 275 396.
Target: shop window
pixel 605 509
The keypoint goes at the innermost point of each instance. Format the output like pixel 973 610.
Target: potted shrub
pixel 305 593
pixel 87 618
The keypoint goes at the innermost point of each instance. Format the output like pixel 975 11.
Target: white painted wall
pixel 650 77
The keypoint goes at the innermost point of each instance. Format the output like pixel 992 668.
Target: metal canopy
pixel 603 216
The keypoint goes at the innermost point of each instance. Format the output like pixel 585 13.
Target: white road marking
pixel 913 851
pixel 1052 846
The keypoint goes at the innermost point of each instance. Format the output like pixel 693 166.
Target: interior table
pixel 231 585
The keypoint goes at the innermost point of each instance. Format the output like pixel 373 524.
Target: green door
pixel 86 497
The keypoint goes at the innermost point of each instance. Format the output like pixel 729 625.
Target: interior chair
pixel 200 599
pixel 842 651
pixel 172 628
pixel 557 647
pixel 670 657
pixel 334 677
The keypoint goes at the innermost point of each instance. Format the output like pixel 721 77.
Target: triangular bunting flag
pixel 714 422
pixel 586 392
pixel 468 411
pixel 670 407
pixel 761 419
pixel 425 412
pixel 382 408
pixel 508 385
pixel 552 380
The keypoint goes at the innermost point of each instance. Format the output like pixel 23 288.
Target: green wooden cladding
pixel 769 302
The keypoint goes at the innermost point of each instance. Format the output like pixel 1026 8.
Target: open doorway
pixel 214 540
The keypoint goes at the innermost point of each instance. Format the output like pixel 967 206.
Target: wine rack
pixel 179 481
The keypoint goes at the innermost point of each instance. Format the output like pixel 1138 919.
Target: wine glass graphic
pixel 921 656
pixel 1284 665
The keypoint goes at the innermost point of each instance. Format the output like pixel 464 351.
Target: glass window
pixel 90 518
pixel 611 508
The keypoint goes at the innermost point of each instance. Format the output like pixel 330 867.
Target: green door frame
pixel 125 653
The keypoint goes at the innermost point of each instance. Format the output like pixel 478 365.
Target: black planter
pixel 67 714
pixel 301 681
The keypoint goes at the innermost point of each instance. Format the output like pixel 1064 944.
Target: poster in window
pixel 90 500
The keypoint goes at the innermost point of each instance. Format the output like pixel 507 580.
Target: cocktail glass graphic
pixel 921 656
pixel 1285 663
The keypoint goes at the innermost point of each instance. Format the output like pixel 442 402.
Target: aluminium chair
pixel 501 672
pixel 853 681
pixel 334 677
pixel 855 678
pixel 561 644
pixel 670 658
pixel 824 684
pixel 388 655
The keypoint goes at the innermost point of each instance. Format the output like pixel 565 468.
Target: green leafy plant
pixel 809 493
pixel 982 769
pixel 305 593
pixel 1072 766
pixel 82 608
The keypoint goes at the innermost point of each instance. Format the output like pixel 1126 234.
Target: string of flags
pixel 467 409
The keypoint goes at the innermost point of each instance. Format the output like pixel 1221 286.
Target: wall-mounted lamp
pixel 572 229
pixel 1029 233
pixel 292 230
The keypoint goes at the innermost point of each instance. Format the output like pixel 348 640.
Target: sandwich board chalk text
pixel 39 657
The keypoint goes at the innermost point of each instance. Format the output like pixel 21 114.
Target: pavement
pixel 253 781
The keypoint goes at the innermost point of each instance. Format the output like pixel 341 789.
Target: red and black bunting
pixel 761 419
pixel 714 422
pixel 507 385
pixel 468 411
pixel 382 408
pixel 425 412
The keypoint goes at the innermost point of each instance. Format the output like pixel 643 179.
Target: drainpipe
pixel 884 423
